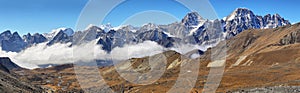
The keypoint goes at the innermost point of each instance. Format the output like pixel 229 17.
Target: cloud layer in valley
pixel 61 53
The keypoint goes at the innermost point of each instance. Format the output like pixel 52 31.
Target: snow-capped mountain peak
pixel 69 31
pixel 240 12
pixel 242 19
pixel 54 32
pixel 94 29
pixel 126 28
pixel 192 19
pixel 148 26
pixel 107 27
pixel 273 21
pixel 192 31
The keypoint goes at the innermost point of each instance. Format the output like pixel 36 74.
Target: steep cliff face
pixel 243 19
pixel 34 39
pixel 292 38
pixel 11 42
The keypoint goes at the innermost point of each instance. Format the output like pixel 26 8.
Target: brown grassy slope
pixel 268 62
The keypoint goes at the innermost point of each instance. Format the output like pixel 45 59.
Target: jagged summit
pixel 149 26
pixel 93 28
pixel 273 21
pixel 192 19
pixel 54 32
pixel 11 42
pixel 240 12
pixel 126 28
pixel 60 37
pixel 242 19
pixel 107 27
pixel 7 32
pixel 16 36
pixel 34 39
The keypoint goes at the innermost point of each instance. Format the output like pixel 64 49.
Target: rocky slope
pixel 11 82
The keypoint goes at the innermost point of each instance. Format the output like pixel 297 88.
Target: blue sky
pixel 44 15
pixel 119 14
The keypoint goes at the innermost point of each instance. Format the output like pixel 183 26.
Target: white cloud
pixel 12 56
pixel 62 53
pixel 146 48
pixel 185 48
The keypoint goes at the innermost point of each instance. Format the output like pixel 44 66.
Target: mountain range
pixel 193 29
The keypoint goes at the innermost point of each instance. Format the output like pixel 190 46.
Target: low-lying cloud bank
pixel 61 53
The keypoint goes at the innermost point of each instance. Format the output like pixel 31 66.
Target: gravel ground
pixel 276 89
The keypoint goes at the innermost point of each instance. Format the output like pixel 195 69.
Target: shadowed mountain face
pixel 6 62
pixel 34 39
pixel 11 42
pixel 3 68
